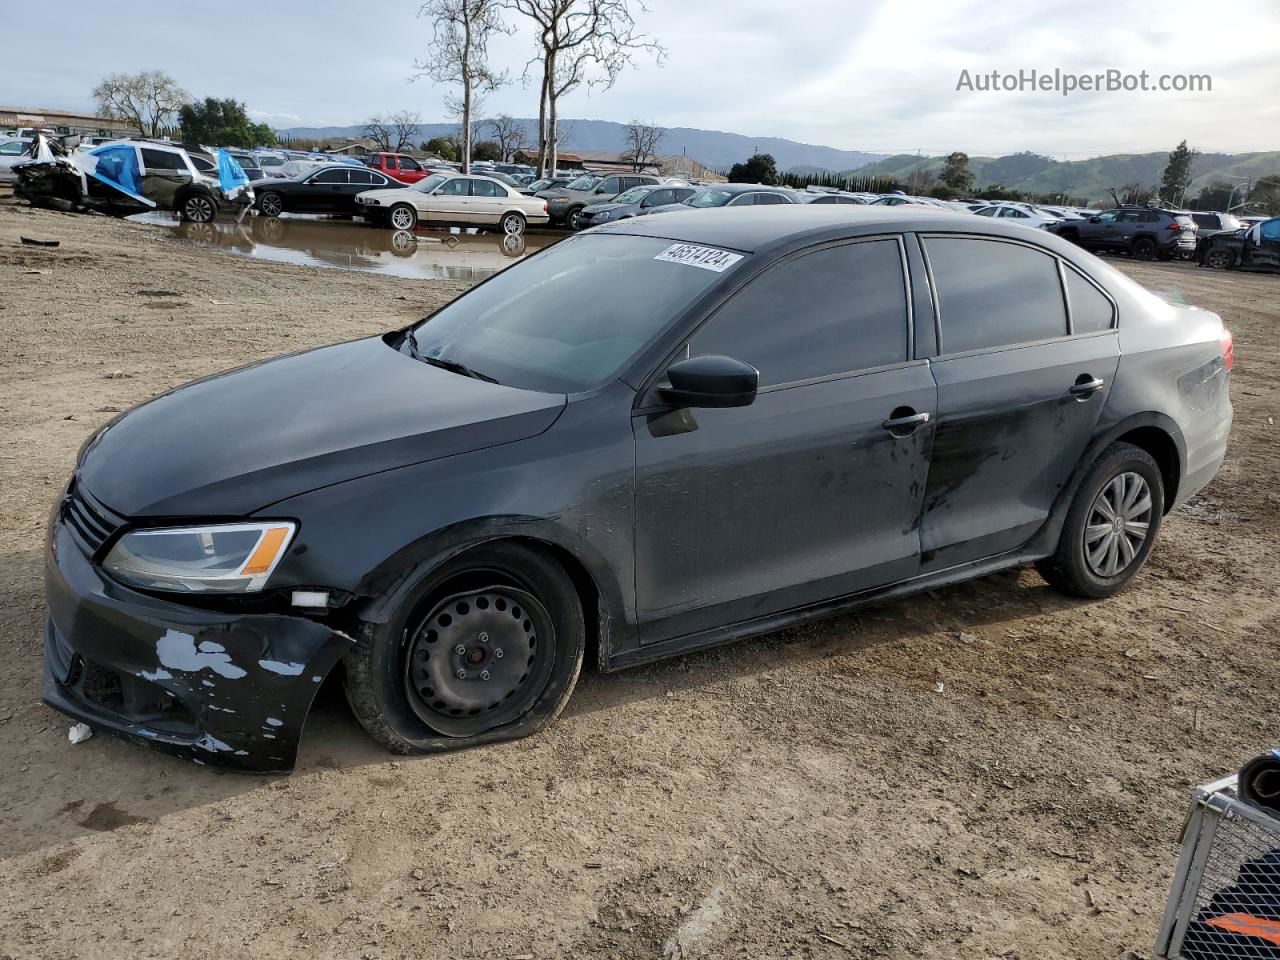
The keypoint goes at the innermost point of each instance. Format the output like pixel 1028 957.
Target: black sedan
pixel 463 512
pixel 329 189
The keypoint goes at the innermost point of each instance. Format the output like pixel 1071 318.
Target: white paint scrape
pixel 689 940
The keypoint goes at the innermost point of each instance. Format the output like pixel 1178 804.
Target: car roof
pixel 759 229
pixel 745 187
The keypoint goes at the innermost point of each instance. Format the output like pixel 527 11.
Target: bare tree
pixel 459 54
pixel 1130 194
pixel 579 41
pixel 643 140
pixel 149 100
pixel 508 133
pixel 395 132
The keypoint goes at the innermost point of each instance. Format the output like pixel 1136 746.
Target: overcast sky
pixel 872 75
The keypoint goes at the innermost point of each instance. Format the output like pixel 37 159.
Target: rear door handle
pixel 1084 388
pixel 905 421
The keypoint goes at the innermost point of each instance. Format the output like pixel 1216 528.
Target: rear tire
pixel 1111 525
pixel 512 224
pixel 197 208
pixel 1144 248
pixel 402 217
pixel 487 647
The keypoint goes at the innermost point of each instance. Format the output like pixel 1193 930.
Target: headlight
pixel 218 558
pixel 600 215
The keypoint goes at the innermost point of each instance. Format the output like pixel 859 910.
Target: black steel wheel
pixel 486 647
pixel 474 661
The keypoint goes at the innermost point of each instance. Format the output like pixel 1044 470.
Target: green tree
pixel 956 173
pixel 443 148
pixel 1215 196
pixel 761 168
pixel 222 123
pixel 1264 198
pixel 486 150
pixel 1177 174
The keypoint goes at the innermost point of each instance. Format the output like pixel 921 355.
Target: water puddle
pixel 341 244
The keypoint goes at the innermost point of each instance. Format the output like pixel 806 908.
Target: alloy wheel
pixel 1218 260
pixel 512 225
pixel 1118 524
pixel 198 209
pixel 402 218
pixel 271 205
pixel 478 660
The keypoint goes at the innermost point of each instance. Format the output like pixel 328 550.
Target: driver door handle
pixel 901 426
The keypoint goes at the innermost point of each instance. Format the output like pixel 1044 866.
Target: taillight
pixel 1175 226
pixel 1228 346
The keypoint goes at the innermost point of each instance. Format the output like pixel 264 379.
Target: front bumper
pixel 213 687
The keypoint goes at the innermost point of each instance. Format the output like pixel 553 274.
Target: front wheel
pixel 271 203
pixel 573 219
pixel 487 647
pixel 197 208
pixel 1219 259
pixel 1111 525
pixel 403 217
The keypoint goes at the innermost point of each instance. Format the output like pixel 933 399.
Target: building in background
pixel 65 123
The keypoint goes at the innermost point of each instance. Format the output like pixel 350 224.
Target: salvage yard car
pixel 635 202
pixel 329 189
pixel 1142 232
pixel 1256 247
pixel 134 176
pixel 564 204
pixel 747 419
pixel 445 199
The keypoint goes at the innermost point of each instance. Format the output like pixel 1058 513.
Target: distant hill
pixel 1081 178
pixel 713 148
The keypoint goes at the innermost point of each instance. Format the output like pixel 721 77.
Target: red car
pixel 398 166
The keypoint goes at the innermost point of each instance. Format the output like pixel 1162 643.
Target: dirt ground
pixel 987 771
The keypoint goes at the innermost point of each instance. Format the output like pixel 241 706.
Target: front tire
pixel 402 217
pixel 271 203
pixel 487 647
pixel 573 219
pixel 1220 259
pixel 1111 525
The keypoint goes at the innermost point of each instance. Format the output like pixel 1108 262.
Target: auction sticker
pixel 692 255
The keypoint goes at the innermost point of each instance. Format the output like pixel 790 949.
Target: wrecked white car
pixel 129 177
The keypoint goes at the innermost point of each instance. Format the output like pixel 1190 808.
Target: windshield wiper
pixel 456 367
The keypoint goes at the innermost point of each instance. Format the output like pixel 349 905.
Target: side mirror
pixel 1095 219
pixel 711 381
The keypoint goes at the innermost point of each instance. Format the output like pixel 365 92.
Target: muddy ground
pixel 985 771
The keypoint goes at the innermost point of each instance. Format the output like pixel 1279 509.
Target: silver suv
pixel 565 204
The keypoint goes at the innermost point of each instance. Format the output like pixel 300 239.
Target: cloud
pixel 876 75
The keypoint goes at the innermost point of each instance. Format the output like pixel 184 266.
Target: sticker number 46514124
pixel 692 255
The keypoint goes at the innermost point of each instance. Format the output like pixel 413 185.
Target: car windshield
pixel 271 162
pixel 634 195
pixel 539 185
pixel 710 198
pixel 583 183
pixel 427 184
pixel 568 318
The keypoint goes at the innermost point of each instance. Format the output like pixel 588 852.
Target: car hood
pixel 604 206
pixel 236 442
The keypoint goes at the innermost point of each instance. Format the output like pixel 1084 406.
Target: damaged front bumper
pixel 218 688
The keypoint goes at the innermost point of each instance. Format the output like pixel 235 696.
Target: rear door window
pixel 767 198
pixel 832 311
pixel 486 188
pixel 365 176
pixel 994 294
pixel 331 176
